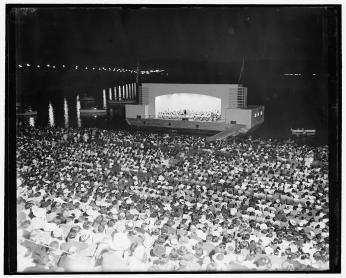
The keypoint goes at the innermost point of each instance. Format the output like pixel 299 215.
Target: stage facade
pixel 200 106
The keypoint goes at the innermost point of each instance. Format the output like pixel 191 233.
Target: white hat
pixel 120 242
pixel 49 227
pixel 37 223
pixel 250 209
pixel 201 234
pixel 233 211
pixel 265 241
pixel 306 248
pixel 216 233
pixel 173 241
pixel 293 247
pixel 38 212
pixel 92 212
pixel 19 182
pixel 203 219
pixel 293 222
pixel 148 241
pixel 269 250
pixel 130 224
pixel 58 232
pixel 193 242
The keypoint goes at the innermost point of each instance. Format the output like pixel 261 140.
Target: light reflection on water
pixel 66 117
pixel 51 114
pixel 104 99
pixel 79 122
pixel 120 93
pixel 32 121
pixel 64 110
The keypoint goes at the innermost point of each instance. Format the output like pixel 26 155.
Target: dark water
pixel 63 110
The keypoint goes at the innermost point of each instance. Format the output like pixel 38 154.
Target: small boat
pixel 93 112
pixel 24 112
pixel 303 132
pixel 27 114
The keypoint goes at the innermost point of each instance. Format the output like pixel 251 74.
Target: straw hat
pixel 219 258
pixel 148 241
pixel 189 256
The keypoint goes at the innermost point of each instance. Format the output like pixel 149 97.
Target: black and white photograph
pixel 172 138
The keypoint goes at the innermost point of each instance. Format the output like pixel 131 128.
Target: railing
pixel 307 132
pixel 122 101
pixel 222 120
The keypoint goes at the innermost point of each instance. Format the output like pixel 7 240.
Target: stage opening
pixel 190 106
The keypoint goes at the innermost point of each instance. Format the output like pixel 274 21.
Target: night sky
pixel 207 34
pixel 193 45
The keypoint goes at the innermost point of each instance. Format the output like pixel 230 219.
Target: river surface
pixel 63 110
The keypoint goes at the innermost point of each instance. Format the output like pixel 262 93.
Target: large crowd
pixel 102 200
pixel 202 116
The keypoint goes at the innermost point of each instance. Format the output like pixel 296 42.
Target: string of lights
pixel 290 74
pixel 89 68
